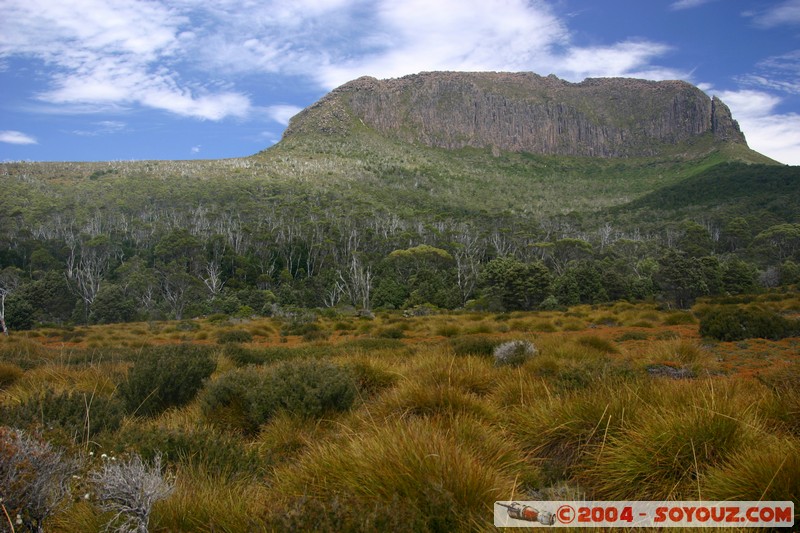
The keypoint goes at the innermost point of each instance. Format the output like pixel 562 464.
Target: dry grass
pixel 438 432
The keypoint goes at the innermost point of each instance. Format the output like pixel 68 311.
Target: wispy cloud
pixel 16 137
pixel 767 131
pixel 778 73
pixel 283 113
pixel 688 4
pixel 104 127
pixel 112 52
pixel 782 14
pixel 126 53
pixel 631 58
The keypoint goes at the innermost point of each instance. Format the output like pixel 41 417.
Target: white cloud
pixel 161 54
pixel 688 4
pixel 112 52
pixel 774 134
pixel 785 13
pixel 16 137
pixel 632 58
pixel 195 149
pixel 283 113
pixel 420 35
pixel 778 73
pixel 104 127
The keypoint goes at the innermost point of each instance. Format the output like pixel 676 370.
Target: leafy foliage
pixel 244 399
pixel 733 323
pixel 80 416
pixel 166 376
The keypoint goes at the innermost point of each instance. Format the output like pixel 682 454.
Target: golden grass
pixel 437 437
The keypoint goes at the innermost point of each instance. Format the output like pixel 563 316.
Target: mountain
pixel 525 112
pixel 600 180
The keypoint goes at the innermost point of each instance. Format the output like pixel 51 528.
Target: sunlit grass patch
pixel 672 442
pixel 563 430
pixel 450 485
pixel 205 502
pixel 768 469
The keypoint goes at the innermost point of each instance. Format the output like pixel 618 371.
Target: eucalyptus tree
pixel 9 281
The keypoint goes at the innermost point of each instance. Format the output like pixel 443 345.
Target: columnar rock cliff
pixel 524 112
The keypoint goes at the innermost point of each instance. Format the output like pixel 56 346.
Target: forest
pixel 117 242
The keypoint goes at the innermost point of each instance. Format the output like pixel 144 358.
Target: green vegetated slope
pixel 731 189
pixel 368 174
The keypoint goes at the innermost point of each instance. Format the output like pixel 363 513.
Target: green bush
pixel 66 412
pixel 166 376
pixel 473 345
pixel 305 388
pixel 244 356
pixel 226 401
pixel 234 336
pixel 244 399
pixel 731 323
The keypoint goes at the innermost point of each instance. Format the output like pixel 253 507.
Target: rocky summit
pixel 525 112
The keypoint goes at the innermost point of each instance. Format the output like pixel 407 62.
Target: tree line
pixel 148 259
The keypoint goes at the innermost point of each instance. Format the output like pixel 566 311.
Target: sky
pixel 96 80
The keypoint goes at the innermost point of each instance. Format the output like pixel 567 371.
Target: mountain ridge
pixel 525 112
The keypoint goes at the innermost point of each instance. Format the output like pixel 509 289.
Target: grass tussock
pixel 450 485
pixel 563 430
pixel 768 470
pixel 672 442
pixel 204 502
pixel 333 422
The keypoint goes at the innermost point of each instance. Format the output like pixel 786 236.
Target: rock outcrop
pixel 524 112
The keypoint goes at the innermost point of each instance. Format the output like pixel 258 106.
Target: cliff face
pixel 524 112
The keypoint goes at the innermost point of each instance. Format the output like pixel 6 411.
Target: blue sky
pixel 87 80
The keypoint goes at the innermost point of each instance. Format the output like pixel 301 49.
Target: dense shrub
pixel 305 388
pixel 112 305
pixel 166 376
pixel 67 411
pixel 245 399
pixel 226 401
pixel 234 336
pixel 244 356
pixel 513 353
pixel 731 323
